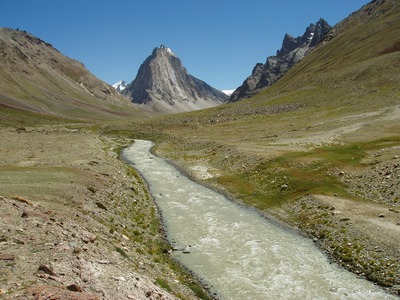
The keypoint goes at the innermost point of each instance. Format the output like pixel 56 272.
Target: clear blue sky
pixel 218 41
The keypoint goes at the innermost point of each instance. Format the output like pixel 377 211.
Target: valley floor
pixel 76 218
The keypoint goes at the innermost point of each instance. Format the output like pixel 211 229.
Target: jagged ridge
pixel 293 50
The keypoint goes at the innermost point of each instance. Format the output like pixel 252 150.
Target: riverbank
pixel 347 227
pixel 78 223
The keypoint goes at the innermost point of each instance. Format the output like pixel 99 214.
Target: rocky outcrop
pixel 293 50
pixel 164 85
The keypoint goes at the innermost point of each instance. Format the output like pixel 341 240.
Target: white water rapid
pixel 234 250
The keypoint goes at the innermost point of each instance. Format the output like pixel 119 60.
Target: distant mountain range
pixel 36 77
pixel 163 85
pixel 293 50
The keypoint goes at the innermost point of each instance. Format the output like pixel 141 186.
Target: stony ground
pixel 77 223
pixel 362 237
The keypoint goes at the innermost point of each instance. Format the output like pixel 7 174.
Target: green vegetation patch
pixel 164 284
pixel 341 155
pixel 295 174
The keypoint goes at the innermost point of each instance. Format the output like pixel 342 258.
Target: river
pixel 234 250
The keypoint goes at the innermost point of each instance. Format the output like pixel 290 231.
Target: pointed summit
pixel 164 85
pixel 168 50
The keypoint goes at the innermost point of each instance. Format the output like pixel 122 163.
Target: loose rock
pixel 7 257
pixel 33 214
pixel 74 288
pixel 47 270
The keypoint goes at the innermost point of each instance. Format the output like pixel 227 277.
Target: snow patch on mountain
pixel 120 85
pixel 228 92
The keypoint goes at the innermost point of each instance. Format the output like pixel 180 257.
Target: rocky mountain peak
pixel 313 34
pixel 321 30
pixel 289 44
pixel 292 51
pixel 162 50
pixel 162 84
